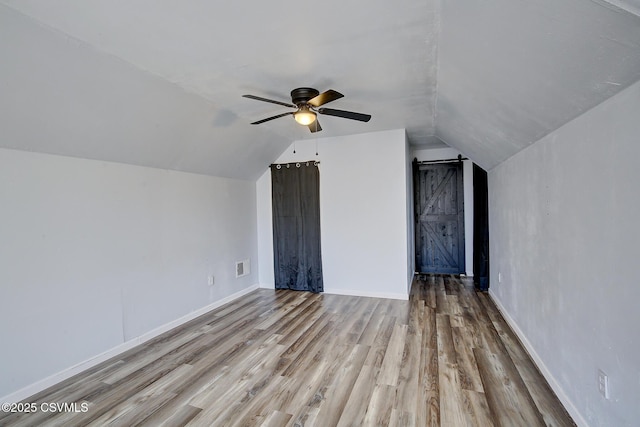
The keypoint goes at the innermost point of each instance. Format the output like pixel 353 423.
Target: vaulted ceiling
pixel 160 84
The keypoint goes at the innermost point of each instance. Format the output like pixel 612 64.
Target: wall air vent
pixel 243 268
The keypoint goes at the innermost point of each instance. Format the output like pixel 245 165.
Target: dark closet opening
pixel 480 229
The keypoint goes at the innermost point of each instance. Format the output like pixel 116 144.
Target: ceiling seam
pixel 619 5
pixel 438 28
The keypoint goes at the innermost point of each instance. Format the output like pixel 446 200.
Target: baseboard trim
pixel 553 383
pixel 54 379
pixel 351 292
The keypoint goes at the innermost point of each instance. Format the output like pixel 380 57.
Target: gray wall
pixel 95 254
pixel 564 223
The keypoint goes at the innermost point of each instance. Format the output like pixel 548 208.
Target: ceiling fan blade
pixel 315 126
pixel 345 114
pixel 274 117
pixel 325 97
pixel 257 98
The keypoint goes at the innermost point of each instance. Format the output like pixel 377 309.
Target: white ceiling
pixel 159 84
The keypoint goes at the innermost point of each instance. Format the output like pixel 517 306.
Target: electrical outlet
pixel 210 280
pixel 603 384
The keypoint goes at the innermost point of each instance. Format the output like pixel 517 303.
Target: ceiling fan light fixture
pixel 307 102
pixel 304 116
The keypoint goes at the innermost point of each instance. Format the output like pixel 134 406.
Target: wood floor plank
pixel 356 407
pixel 294 344
pixel 299 391
pixel 507 395
pixel 302 316
pixel 390 368
pixel 467 366
pixel 299 354
pixel 554 414
pixel 352 327
pixel 171 417
pixel 400 418
pixel 306 416
pixel 428 408
pixel 299 302
pixel 371 329
pixel 256 410
pixel 380 406
pixel 287 393
pixel 276 419
pixel 79 385
pixel 146 402
pixel 456 313
pixel 431 299
pixel 478 412
pixel 446 357
pixel 220 390
pixel 450 286
pixel 237 394
pixel 335 392
pixel 408 385
pixel 452 409
pixel 381 341
pixel 243 305
pixel 441 306
pixel 428 381
pixel 133 412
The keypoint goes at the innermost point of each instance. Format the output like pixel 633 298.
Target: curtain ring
pixel 307 163
pixel 288 165
pixel 316 163
pixel 278 166
pixel 297 165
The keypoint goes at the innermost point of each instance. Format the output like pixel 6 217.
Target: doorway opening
pixel 480 229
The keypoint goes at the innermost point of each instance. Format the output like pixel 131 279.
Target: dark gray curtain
pixel 296 226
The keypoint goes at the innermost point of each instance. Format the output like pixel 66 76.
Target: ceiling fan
pixel 307 101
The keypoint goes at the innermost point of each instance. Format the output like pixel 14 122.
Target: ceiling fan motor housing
pixel 302 95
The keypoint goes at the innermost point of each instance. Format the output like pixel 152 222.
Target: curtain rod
pixel 424 162
pixel 296 164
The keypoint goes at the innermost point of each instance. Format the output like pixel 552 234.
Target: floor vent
pixel 242 268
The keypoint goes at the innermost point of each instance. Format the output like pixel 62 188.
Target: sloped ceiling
pixel 513 71
pixel 159 84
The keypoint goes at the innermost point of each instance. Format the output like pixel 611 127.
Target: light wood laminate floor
pixel 285 358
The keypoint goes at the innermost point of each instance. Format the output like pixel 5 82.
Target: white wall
pixel 95 254
pixel 467 173
pixel 410 221
pixel 363 213
pixel 564 238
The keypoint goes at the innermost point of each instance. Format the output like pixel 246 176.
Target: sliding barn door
pixel 439 208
